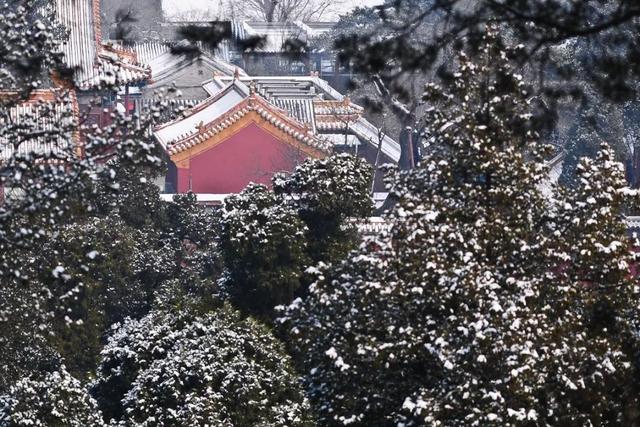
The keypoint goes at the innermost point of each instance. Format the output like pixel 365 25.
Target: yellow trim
pixel 182 158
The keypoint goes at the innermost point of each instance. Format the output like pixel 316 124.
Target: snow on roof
pixel 164 62
pixel 280 86
pixel 93 63
pixel 202 114
pixel 367 131
pixel 312 100
pixel 301 109
pixel 555 166
pixel 43 112
pixel 253 103
pixel 79 50
pixel 303 97
pixel 342 139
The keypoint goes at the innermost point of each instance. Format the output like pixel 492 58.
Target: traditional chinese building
pixel 82 86
pixel 93 67
pixel 233 138
pixel 253 127
pixel 183 66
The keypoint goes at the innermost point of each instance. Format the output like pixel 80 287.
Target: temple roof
pixel 312 101
pixel 202 114
pixel 165 60
pixel 222 110
pixel 94 63
pixel 281 86
pixel 43 122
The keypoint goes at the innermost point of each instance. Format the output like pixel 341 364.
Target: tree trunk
pixel 407 158
pixel 270 10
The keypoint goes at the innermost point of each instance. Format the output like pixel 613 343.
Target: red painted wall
pixel 250 155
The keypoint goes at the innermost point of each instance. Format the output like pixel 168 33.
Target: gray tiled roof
pixel 93 65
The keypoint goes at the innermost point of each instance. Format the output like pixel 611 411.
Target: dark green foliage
pixel 23 354
pixel 264 250
pixel 136 199
pixel 217 369
pixel 486 304
pixel 110 266
pixel 268 239
pixel 104 271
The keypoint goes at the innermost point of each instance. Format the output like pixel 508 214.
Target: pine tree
pixel 49 399
pixel 478 307
pixel 216 369
pixel 263 247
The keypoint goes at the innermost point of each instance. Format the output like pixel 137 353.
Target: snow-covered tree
pixel 217 369
pixel 327 193
pixel 269 238
pixel 194 286
pixel 263 247
pixel 49 399
pixel 104 271
pixel 23 353
pixel 115 261
pixel 485 304
pixel 31 46
pixel 84 237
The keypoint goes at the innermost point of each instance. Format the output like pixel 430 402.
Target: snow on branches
pixel 49 399
pixel 483 306
pixel 269 238
pixel 218 369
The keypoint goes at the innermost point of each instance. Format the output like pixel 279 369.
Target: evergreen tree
pixel 111 263
pixel 49 399
pixel 104 271
pixel 216 369
pixel 268 239
pixel 327 193
pixel 263 247
pixel 485 304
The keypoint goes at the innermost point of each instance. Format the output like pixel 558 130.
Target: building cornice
pixel 252 106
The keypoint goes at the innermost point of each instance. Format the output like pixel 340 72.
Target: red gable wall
pixel 250 155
